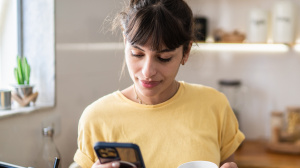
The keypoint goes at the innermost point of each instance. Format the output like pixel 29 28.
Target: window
pixel 27 29
pixel 8 41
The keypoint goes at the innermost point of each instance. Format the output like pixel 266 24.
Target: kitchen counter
pixel 254 154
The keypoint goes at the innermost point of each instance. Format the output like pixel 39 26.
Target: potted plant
pixel 23 88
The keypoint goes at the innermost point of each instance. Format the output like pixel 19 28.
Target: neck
pixel 136 95
pixel 157 99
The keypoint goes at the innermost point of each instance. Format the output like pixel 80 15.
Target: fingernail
pixel 115 164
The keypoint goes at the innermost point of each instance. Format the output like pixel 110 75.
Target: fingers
pixel 115 164
pixel 97 164
pixel 229 165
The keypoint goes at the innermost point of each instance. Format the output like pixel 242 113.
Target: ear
pixel 187 53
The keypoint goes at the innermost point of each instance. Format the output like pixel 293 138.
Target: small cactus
pixel 22 71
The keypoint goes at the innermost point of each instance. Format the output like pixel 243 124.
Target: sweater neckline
pixel 169 101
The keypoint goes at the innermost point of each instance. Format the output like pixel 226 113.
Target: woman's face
pixel 153 72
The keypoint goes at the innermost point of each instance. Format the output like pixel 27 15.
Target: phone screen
pixel 127 154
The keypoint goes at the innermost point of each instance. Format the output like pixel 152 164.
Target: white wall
pixel 83 76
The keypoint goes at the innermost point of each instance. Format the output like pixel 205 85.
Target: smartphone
pixel 128 154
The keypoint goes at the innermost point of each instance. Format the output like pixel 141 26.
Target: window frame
pixel 20 26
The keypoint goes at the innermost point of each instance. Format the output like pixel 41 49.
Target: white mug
pixel 198 164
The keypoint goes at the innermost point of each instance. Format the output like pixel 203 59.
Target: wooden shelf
pixel 241 47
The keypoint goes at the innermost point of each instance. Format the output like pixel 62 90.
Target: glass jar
pixel 233 92
pixel 294 121
pixel 276 125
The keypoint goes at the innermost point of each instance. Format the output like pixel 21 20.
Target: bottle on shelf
pixel 49 152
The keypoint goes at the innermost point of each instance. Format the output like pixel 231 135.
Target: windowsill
pixel 15 110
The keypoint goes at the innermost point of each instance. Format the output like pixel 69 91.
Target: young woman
pixel 172 122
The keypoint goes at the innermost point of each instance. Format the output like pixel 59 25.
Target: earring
pixel 182 62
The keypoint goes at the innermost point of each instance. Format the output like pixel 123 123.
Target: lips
pixel 149 84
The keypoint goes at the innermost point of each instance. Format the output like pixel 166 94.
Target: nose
pixel 149 68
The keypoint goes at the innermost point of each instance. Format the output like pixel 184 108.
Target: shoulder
pixel 204 94
pixel 195 87
pixel 99 107
pixel 198 89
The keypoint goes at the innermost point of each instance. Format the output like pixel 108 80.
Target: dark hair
pixel 166 22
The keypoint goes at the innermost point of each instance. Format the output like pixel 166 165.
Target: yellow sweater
pixel 197 123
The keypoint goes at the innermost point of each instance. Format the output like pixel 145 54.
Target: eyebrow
pixel 162 51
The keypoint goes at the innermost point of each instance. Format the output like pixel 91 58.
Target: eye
pixel 136 54
pixel 164 59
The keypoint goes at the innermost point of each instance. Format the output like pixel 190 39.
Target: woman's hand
pixel 229 162
pixel 97 164
pixel 229 165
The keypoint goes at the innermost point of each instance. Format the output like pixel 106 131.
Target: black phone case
pixel 128 154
